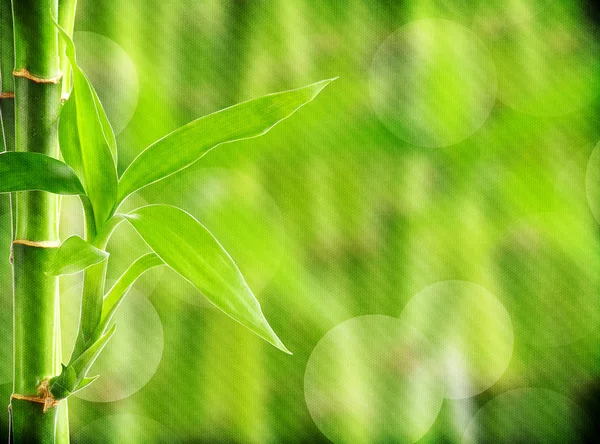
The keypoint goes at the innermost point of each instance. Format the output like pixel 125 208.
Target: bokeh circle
pixel 433 83
pixel 369 379
pixel 130 358
pixel 470 332
pixel 113 74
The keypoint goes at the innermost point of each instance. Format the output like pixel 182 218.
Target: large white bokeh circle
pixel 369 379
pixel 433 83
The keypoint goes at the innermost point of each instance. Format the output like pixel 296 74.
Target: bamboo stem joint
pixel 44 397
pixel 26 74
pixel 38 244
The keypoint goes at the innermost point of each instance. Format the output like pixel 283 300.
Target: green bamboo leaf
pixel 83 364
pixel 186 145
pixel 107 129
pixel 63 385
pixel 35 171
pixel 75 255
pixel 87 142
pixel 117 293
pixel 73 375
pixel 85 382
pixel 185 245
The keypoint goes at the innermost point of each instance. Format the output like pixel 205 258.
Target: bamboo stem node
pixel 7 95
pixel 23 72
pixel 44 397
pixel 38 244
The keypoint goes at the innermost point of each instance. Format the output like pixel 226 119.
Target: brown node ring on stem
pixel 23 72
pixel 38 244
pixel 7 95
pixel 44 397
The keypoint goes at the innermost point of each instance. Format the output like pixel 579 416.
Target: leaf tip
pixel 280 345
pixel 320 86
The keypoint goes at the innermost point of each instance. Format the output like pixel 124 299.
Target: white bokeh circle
pixel 433 83
pixel 470 332
pixel 528 415
pixel 113 74
pixel 370 379
pixel 132 355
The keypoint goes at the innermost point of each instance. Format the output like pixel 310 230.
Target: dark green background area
pixel 332 216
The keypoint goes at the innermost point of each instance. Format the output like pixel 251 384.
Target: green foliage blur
pixel 339 212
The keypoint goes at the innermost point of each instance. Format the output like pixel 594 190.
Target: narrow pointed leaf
pixel 83 364
pixel 35 171
pixel 62 385
pixel 117 293
pixel 109 134
pixel 191 250
pixel 75 255
pixel 91 309
pixel 186 145
pixel 73 375
pixel 84 383
pixel 86 141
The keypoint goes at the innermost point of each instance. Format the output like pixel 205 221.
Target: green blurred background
pixel 457 145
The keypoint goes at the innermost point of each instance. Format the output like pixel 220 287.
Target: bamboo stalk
pixel 35 295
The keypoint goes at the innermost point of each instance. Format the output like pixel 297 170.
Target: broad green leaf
pixel 86 141
pixel 117 293
pixel 73 376
pixel 186 145
pixel 185 245
pixel 75 255
pixel 35 171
